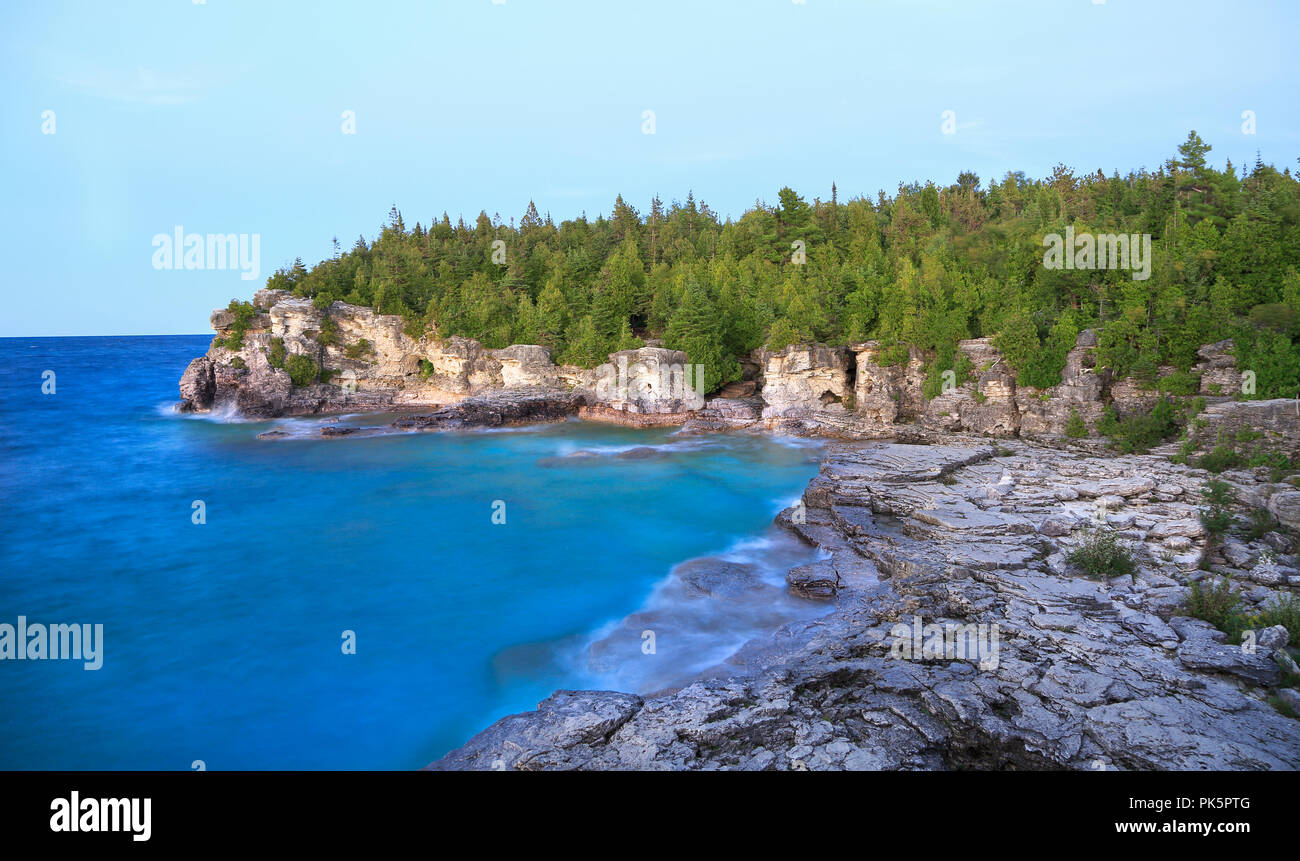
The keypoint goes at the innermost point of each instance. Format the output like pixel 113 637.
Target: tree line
pixel 924 268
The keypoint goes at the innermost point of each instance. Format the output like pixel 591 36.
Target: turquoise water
pixel 222 640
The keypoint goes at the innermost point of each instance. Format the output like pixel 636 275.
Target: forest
pixel 922 269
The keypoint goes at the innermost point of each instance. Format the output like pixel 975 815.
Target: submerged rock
pixel 716 577
pixel 525 405
pixel 819 580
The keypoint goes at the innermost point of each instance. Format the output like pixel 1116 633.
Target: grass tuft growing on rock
pixel 1102 554
pixel 1284 611
pixel 1260 523
pixel 359 350
pixel 1219 605
pixel 1282 708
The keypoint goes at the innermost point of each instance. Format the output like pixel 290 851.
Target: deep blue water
pixel 222 641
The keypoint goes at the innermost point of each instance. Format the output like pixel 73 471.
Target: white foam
pixel 226 413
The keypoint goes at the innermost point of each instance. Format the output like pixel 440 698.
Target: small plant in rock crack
pixel 1219 605
pixel 1260 523
pixel 1216 518
pixel 1103 554
pixel 1074 427
pixel 1289 679
pixel 1284 611
pixel 1218 492
pixel 1281 706
pixel 276 356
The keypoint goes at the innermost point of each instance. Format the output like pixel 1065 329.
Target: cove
pixel 224 636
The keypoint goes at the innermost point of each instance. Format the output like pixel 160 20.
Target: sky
pixel 124 120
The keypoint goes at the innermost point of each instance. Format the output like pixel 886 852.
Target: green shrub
pixel 329 332
pixel 1284 611
pixel 275 358
pixel 239 363
pixel 1218 492
pixel 1102 554
pixel 1180 383
pixel 894 354
pixel 1260 523
pixel 244 313
pixel 426 369
pixel 1221 458
pixel 1216 520
pixel 1218 605
pixel 303 371
pixel 956 361
pixel 1074 427
pixel 1139 432
pixel 359 350
pixel 1108 424
pixel 415 327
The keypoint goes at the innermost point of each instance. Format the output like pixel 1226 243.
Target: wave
pixel 798 442
pixel 566 448
pixel 698 616
pixel 226 413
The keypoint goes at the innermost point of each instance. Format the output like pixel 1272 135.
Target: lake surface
pixel 223 641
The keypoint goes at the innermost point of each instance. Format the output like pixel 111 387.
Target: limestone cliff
pixel 293 358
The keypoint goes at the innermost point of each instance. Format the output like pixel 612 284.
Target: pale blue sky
pixel 225 117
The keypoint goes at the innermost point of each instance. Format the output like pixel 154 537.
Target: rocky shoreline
pixel 925 522
pixel 1089 674
pixel 287 357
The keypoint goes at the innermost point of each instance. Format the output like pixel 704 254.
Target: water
pixel 222 641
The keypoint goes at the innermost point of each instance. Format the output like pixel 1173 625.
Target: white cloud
pixel 140 86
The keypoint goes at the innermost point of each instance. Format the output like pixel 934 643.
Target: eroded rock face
pixel 1285 506
pixel 650 380
pixel 802 380
pixel 1083 673
pixel 1218 369
pixel 883 394
pixel 985 404
pixel 372 363
pixel 1247 426
pixel 198 385
pixel 724 414
pixel 369 363
pixel 526 365
pixel 1048 411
